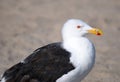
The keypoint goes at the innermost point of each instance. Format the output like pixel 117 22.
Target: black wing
pixel 45 64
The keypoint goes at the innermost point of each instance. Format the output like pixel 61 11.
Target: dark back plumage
pixel 46 64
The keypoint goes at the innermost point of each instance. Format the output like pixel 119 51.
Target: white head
pixel 78 28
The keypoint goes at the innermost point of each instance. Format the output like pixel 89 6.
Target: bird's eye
pixel 78 26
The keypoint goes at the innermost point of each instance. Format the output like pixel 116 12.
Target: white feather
pixel 81 49
pixel 3 80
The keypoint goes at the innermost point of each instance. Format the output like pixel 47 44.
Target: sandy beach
pixel 26 25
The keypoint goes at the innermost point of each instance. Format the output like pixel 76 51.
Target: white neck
pixel 81 49
pixel 82 57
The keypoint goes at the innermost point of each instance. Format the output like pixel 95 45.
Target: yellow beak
pixel 95 31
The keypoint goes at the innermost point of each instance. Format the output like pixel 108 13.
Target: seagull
pixel 67 61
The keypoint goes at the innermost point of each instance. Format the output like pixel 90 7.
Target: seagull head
pixel 78 28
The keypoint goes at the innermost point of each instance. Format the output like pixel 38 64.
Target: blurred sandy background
pixel 28 24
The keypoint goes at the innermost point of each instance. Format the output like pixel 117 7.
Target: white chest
pixel 82 51
pixel 82 57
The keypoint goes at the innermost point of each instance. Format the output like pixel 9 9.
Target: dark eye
pixel 78 26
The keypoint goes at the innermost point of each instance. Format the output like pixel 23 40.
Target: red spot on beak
pixel 98 34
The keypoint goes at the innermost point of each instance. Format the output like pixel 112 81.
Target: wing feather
pixel 46 64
